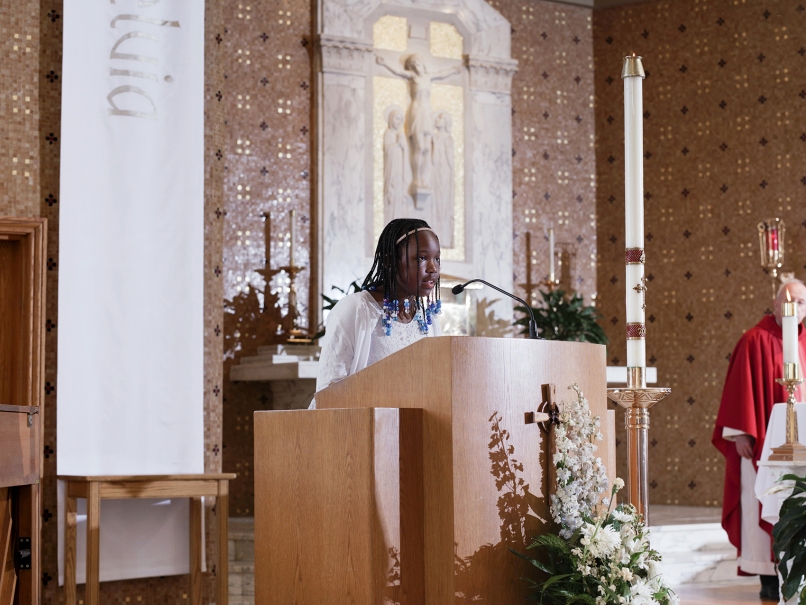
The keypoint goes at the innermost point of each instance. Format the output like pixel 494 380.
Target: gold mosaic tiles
pixel 445 40
pixel 725 120
pixel 391 33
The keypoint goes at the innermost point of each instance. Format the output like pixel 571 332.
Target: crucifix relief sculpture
pixel 420 122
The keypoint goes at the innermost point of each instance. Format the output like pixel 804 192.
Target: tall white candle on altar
pixel 633 75
pixel 789 326
pixel 293 236
pixel 551 254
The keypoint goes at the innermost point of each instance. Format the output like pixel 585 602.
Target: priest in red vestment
pixel 747 399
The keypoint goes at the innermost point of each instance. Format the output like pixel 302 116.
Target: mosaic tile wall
pixel 266 98
pixel 553 163
pixel 724 139
pixel 30 108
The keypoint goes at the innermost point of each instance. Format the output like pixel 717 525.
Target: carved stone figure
pixel 396 167
pixel 443 179
pixel 419 121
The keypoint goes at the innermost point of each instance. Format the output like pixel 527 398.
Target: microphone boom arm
pixel 532 324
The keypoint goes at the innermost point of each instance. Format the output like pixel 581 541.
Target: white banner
pixel 131 252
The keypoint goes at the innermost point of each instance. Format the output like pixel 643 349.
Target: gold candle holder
pixel 550 284
pixel 636 400
pixel 792 450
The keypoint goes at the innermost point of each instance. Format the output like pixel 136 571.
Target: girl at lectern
pixel 396 306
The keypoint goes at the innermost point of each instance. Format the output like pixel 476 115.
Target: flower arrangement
pixel 602 555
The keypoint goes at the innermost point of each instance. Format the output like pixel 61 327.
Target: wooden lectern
pixel 414 477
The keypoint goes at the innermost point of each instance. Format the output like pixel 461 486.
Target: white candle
pixel 789 325
pixel 293 241
pixel 551 254
pixel 633 76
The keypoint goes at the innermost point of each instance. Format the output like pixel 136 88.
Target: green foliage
pixel 562 318
pixel 331 302
pixel 789 540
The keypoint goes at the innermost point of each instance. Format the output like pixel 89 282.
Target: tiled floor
pixel 241 561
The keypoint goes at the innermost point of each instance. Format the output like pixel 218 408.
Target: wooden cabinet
pixel 22 306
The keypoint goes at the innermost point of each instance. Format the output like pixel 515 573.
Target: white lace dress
pixel 355 339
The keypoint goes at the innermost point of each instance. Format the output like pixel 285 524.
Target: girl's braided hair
pixel 384 267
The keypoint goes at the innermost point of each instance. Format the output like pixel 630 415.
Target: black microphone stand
pixel 532 324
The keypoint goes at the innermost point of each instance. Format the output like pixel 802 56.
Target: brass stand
pixel 636 399
pixel 792 450
pixel 551 284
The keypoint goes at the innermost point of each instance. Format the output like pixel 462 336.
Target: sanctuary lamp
pixel 771 241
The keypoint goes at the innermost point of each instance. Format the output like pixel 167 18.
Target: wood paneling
pixel 12 324
pixel 22 303
pixel 8 575
pixel 327 506
pixel 477 465
pixel 19 447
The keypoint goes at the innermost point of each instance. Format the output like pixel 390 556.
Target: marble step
pixel 695 553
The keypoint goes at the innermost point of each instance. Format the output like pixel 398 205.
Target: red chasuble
pixel 747 399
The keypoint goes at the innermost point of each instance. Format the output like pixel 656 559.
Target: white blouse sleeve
pixel 340 343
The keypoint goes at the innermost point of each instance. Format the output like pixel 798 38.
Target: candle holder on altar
pixel 291 320
pixel 792 450
pixel 771 234
pixel 550 284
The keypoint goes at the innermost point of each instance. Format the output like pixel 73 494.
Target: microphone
pixel 458 289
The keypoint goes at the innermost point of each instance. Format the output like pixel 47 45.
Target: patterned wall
pixel 266 154
pixel 724 139
pixel 30 113
pixel 553 142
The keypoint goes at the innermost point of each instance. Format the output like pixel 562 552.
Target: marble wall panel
pixel 724 137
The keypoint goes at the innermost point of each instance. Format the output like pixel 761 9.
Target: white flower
pixel 642 593
pixel 621 516
pixel 618 483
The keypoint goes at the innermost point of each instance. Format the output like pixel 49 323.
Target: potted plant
pixel 560 317
pixel 789 541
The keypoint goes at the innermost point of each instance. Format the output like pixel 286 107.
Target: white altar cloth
pixel 769 472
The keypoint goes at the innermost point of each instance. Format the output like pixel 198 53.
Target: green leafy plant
pixel 330 302
pixel 789 540
pixel 560 317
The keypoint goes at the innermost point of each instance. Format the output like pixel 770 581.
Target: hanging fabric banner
pixel 131 251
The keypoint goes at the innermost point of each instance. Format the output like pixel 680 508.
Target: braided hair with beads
pixel 384 272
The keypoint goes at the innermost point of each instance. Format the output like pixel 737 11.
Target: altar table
pixel 769 472
pixel 96 488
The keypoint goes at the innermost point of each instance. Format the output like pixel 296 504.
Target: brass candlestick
pixel 291 320
pixel 636 400
pixel 529 286
pixel 792 450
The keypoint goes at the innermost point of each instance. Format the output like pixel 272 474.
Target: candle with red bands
pixel 633 75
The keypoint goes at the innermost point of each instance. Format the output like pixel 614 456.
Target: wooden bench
pixel 97 488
